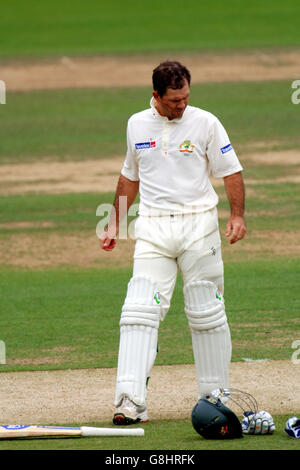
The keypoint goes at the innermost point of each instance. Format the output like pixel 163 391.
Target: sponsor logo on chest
pixel 145 145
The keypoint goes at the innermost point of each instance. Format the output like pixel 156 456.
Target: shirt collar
pixel 156 114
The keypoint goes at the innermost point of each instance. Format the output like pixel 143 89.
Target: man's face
pixel 173 103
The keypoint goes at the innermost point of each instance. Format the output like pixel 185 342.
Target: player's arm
pixel 128 189
pixel 235 190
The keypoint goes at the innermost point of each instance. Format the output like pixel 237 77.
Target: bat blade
pixel 16 431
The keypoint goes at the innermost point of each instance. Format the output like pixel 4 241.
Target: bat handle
pixel 91 431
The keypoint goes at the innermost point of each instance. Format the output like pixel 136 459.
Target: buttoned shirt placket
pixel 166 137
pixel 166 128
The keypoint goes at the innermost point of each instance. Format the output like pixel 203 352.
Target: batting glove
pixel 292 427
pixel 257 423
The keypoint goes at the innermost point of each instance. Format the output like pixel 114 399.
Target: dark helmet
pixel 213 420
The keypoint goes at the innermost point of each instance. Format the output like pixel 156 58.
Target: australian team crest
pixel 186 147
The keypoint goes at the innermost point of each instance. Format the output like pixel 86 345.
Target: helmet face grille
pixel 239 401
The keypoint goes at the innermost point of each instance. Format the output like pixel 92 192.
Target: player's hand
pixel 258 423
pixel 235 229
pixel 108 240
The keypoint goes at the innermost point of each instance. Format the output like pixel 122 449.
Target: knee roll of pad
pixel 204 305
pixel 142 303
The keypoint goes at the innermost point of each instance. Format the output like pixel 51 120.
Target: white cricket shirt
pixel 173 160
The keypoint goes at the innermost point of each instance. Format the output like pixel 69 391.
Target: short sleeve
pixel 130 167
pixel 222 158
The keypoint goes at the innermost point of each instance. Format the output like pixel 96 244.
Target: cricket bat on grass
pixel 15 431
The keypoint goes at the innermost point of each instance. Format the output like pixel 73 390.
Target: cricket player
pixel 172 149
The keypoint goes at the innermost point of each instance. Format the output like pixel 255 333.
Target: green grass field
pixel 78 124
pixel 165 435
pixel 65 315
pixel 44 311
pixel 33 28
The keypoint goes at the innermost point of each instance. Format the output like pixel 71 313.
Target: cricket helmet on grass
pixel 212 419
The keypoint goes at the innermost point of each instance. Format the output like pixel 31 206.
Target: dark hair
pixel 169 75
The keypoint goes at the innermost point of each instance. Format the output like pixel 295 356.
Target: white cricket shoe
pixel 129 413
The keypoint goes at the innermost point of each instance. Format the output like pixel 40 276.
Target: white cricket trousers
pixel 189 244
pixel 165 245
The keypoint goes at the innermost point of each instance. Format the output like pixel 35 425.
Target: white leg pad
pixel 138 339
pixel 205 310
